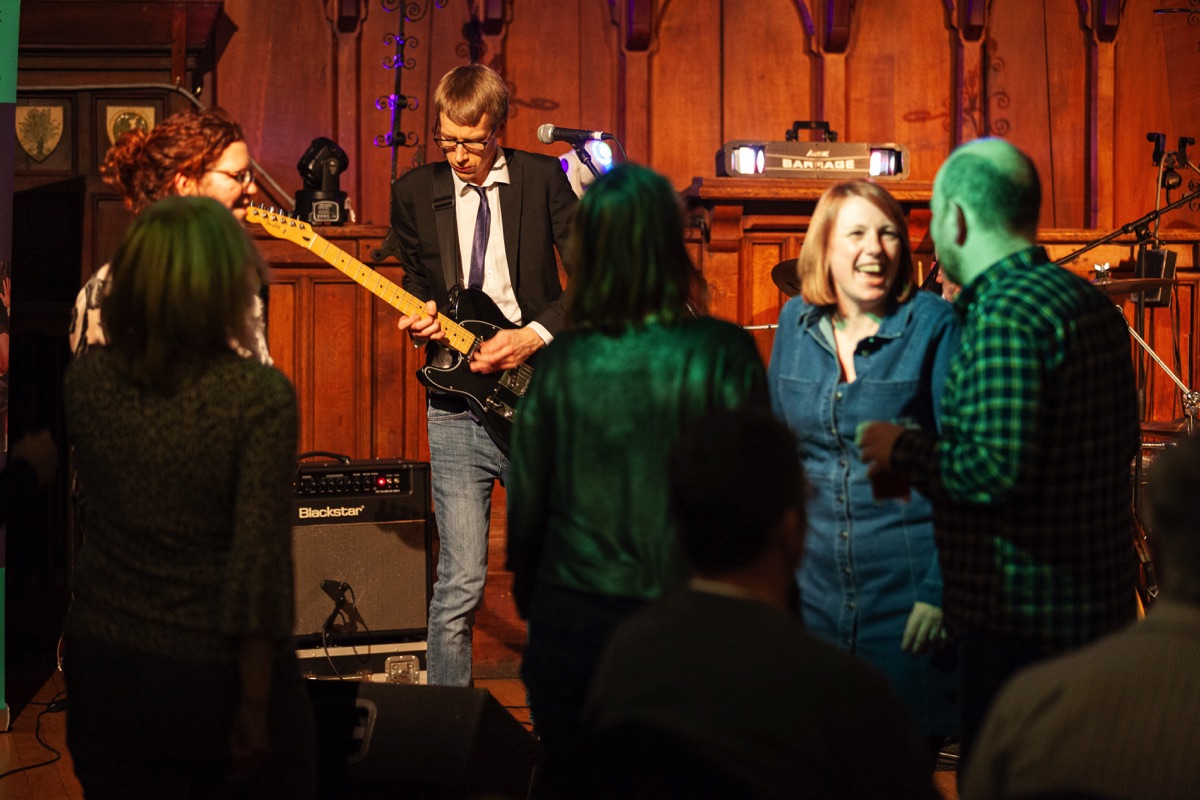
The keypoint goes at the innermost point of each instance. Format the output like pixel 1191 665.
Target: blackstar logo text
pixel 322 513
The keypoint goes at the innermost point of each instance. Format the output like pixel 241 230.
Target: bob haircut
pixel 816 279
pixel 465 94
pixel 626 246
pixel 142 166
pixel 181 289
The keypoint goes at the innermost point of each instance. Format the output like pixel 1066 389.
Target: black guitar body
pixel 492 396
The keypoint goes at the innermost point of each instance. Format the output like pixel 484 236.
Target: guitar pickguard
pixel 492 398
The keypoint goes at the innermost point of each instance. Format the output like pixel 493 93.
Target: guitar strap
pixel 447 224
pixel 447 228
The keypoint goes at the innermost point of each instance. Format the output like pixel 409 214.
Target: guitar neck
pixel 406 303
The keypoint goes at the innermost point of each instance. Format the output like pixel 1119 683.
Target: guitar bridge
pixel 517 380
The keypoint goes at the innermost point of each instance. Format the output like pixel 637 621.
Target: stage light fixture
pixel 321 201
pixel 813 160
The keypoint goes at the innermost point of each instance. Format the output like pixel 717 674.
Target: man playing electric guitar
pixel 484 223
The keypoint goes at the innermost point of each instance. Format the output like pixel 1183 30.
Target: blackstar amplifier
pixel 361 545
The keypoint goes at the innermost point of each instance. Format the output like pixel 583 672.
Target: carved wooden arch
pixel 971 19
pixel 833 33
pixel 639 24
pixel 1106 17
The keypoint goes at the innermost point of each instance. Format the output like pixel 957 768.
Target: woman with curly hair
pixel 189 154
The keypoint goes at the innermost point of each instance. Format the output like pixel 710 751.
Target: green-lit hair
pixel 181 287
pixel 630 263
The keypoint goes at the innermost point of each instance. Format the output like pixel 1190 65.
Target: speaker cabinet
pixel 399 740
pixel 361 549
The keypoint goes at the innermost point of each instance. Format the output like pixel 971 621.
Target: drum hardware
pixel 1125 286
pixel 786 275
pixel 1148 583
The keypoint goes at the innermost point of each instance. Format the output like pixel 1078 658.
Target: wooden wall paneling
pixel 1036 92
pixel 398 400
pixel 761 299
pixel 687 89
pixel 896 85
pixel 1069 78
pixel 341 326
pixel 1101 119
pixel 1157 89
pixel 277 77
pixel 767 72
pixel 541 63
pixel 968 73
pixel 633 101
pixel 561 62
pixel 282 325
pixel 599 57
pixel 372 169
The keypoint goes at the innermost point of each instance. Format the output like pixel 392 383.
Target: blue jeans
pixel 465 466
pixel 568 631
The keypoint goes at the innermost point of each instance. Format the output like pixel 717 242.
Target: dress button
pixel 848 571
pixel 838 395
pixel 844 535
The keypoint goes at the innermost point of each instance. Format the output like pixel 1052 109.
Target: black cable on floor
pixel 56 705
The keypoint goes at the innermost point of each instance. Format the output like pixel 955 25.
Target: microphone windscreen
pixel 545 134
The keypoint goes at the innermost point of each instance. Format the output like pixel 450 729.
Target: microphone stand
pixel 1141 229
pixel 1140 226
pixel 585 157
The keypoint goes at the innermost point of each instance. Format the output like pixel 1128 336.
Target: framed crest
pixel 45 135
pixel 118 116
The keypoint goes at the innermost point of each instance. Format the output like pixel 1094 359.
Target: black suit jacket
pixel 536 209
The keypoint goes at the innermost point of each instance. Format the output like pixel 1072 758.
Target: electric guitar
pixel 492 396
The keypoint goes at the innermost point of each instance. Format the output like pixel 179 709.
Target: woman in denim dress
pixel 862 343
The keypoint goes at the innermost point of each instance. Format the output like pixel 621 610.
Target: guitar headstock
pixel 280 225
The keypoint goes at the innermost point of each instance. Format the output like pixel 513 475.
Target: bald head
pixel 995 184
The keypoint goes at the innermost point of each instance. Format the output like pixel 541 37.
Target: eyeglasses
pixel 450 145
pixel 245 177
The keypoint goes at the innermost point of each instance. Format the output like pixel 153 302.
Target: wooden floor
pixel 20 747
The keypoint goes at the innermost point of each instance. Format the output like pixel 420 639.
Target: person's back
pixel 1116 719
pixel 177 647
pixel 721 678
pixel 1068 507
pixel 628 396
pixel 760 698
pixel 169 502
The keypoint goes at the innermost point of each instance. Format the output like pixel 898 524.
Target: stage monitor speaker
pixel 361 548
pixel 401 740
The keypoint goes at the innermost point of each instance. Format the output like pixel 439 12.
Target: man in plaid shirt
pixel 1030 477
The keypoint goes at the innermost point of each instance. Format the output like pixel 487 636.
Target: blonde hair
pixel 816 279
pixel 465 94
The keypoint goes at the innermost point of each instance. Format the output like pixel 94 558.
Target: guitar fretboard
pixel 285 227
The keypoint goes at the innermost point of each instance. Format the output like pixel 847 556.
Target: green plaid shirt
pixel 1031 475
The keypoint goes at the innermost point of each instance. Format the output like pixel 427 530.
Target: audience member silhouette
pixel 718 690
pixel 1116 719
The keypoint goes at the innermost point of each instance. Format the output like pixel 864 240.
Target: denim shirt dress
pixel 866 561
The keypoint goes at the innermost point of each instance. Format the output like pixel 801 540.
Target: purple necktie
pixel 483 224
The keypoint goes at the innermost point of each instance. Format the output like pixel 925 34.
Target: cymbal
pixel 1169 428
pixel 1129 285
pixel 786 275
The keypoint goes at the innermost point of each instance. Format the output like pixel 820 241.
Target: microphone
pixel 549 134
